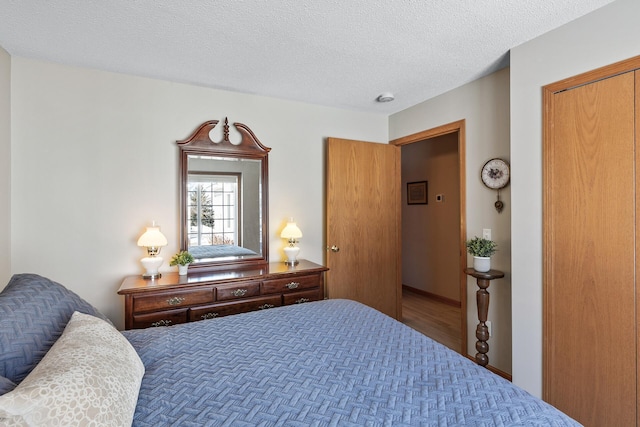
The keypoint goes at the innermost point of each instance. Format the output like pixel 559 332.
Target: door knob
pixel 334 248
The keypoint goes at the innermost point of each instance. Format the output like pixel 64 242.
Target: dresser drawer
pixel 275 286
pixel 219 310
pixel 160 318
pixel 237 290
pixel 300 297
pixel 142 303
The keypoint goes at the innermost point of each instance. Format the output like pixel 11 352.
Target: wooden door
pixel 637 236
pixel 363 224
pixel 589 252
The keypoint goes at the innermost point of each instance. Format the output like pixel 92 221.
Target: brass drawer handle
pixel 209 316
pixel 292 285
pixel 239 292
pixel 175 300
pixel 266 306
pixel 161 323
pixel 301 300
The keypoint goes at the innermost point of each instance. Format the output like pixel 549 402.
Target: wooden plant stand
pixel 482 300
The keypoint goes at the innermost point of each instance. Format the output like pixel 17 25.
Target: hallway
pixel 433 318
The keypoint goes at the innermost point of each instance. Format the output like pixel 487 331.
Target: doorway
pixel 434 231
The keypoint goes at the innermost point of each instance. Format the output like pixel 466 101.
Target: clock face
pixel 495 174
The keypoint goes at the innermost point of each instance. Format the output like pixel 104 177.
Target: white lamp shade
pixel 152 238
pixel 291 231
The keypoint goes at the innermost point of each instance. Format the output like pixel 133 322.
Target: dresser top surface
pixel 171 280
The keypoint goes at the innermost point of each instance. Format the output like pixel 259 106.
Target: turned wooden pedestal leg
pixel 482 331
pixel 482 300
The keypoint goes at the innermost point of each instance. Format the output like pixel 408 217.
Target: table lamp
pixel 291 232
pixel 153 240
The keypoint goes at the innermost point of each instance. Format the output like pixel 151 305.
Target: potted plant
pixel 481 249
pixel 182 259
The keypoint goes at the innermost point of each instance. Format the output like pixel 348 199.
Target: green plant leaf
pixel 481 247
pixel 181 258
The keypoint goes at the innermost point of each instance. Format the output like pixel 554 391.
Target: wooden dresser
pixel 174 299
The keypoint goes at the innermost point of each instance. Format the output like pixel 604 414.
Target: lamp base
pixel 292 253
pixel 291 263
pixel 151 265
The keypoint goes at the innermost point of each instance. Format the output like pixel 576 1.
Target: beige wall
pixel 484 104
pixel 95 161
pixel 607 35
pixel 5 167
pixel 430 233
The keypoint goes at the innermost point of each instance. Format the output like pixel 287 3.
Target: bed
pixel 326 363
pixel 217 251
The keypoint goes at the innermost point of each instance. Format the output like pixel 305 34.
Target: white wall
pixel 5 167
pixel 607 35
pixel 95 160
pixel 484 104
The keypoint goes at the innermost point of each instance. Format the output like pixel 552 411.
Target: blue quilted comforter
pixel 217 251
pixel 328 363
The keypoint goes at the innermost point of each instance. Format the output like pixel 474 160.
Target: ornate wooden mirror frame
pixel 229 162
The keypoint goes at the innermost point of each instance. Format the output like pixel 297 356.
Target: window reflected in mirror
pixel 211 198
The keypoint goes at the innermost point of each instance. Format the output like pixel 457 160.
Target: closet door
pixel 637 145
pixel 590 252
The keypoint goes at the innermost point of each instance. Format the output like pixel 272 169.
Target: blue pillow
pixel 33 313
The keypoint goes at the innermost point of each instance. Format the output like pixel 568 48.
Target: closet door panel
pixel 589 253
pixel 637 234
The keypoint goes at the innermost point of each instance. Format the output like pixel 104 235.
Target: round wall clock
pixel 495 175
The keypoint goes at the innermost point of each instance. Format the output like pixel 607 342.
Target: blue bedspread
pixel 217 251
pixel 327 363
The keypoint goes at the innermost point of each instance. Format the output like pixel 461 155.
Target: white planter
pixel 482 263
pixel 182 269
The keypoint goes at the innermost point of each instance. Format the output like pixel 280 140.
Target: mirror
pixel 223 198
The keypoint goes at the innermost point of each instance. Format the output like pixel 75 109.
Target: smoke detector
pixel 385 97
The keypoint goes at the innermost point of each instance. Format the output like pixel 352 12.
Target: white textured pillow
pixel 91 376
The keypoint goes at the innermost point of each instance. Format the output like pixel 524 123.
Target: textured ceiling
pixel 329 52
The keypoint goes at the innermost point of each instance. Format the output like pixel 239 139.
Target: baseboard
pixel 496 371
pixel 434 297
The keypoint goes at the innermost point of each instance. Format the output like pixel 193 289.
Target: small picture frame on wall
pixel 417 193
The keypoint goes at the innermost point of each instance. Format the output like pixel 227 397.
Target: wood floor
pixel 433 318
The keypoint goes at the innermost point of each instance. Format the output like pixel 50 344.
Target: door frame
pixel 459 127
